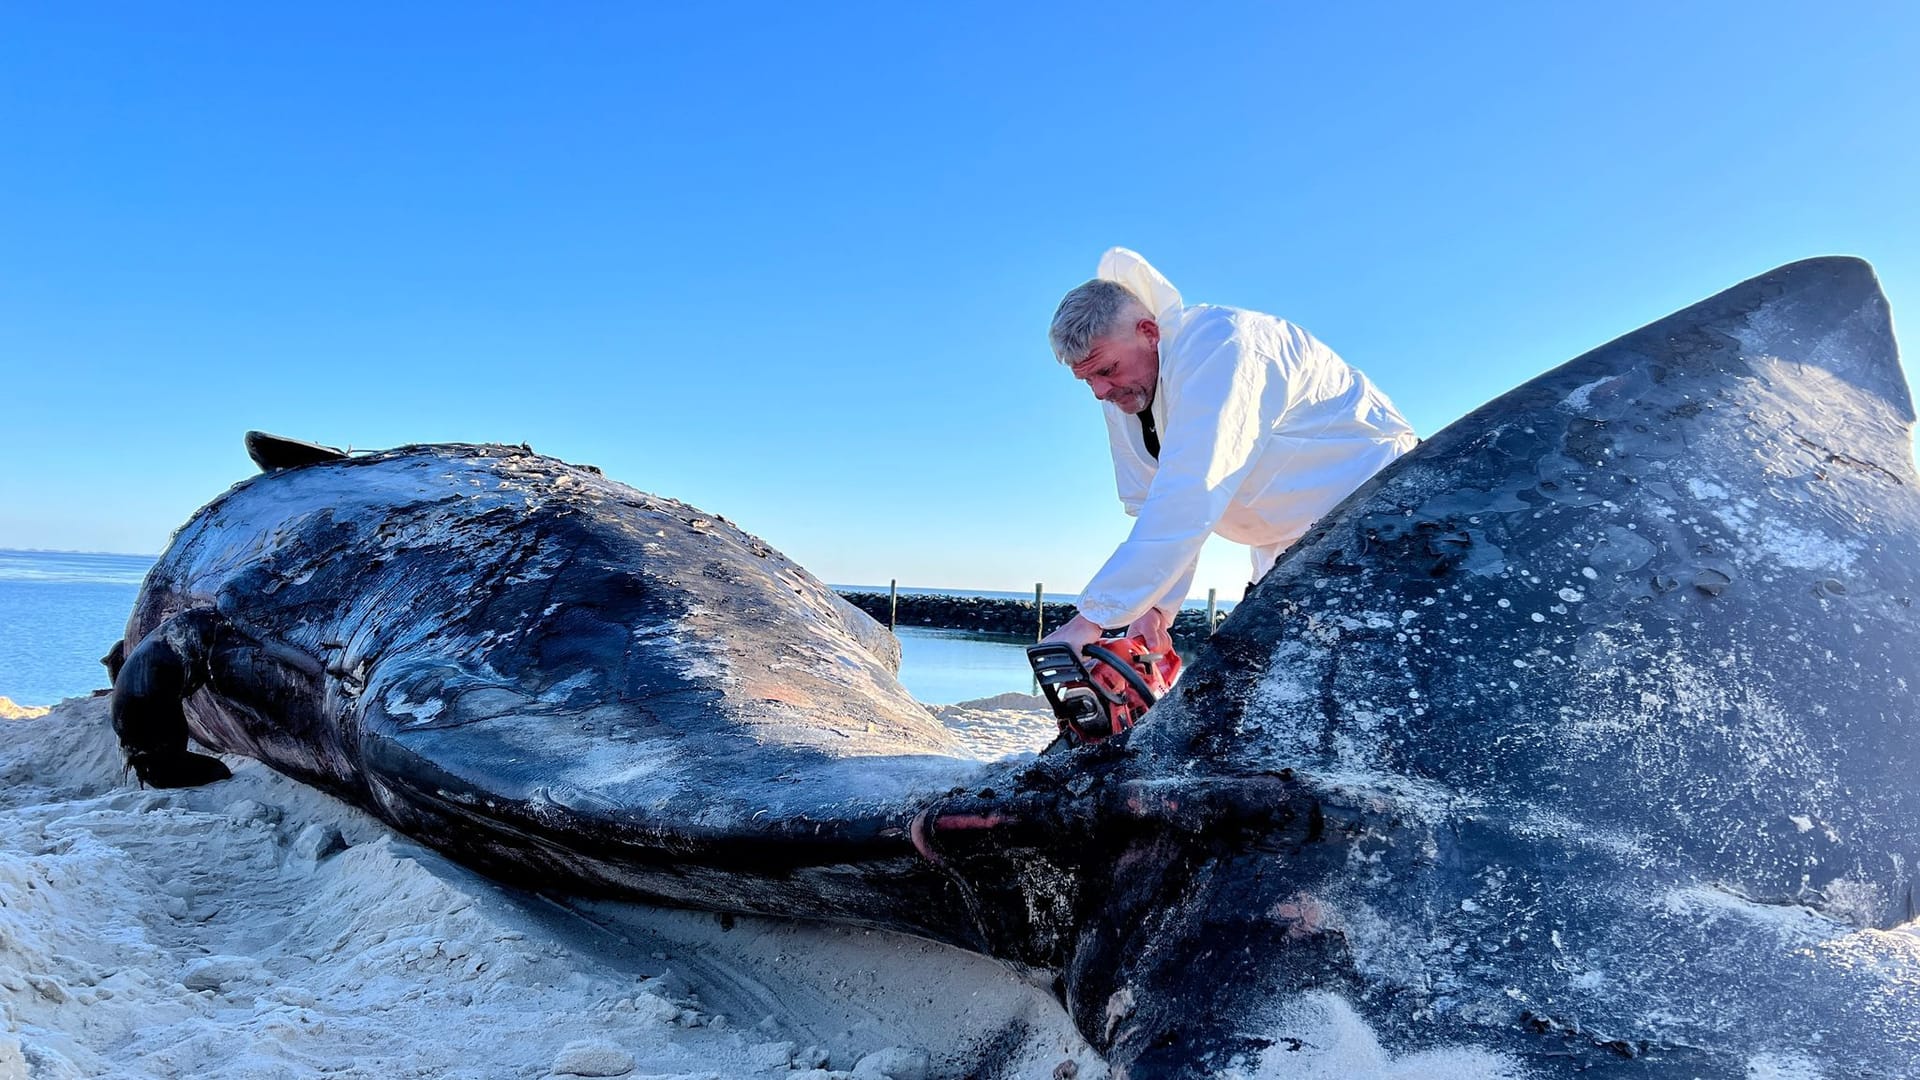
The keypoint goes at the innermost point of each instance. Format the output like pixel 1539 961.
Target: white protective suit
pixel 1262 429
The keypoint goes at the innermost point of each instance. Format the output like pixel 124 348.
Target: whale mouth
pixel 824 863
pixel 633 795
pixel 552 800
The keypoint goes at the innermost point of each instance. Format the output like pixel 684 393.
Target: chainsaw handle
pixel 1111 659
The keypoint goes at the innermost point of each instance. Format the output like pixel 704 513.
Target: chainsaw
pixel 1107 692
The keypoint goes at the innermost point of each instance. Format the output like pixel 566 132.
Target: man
pixel 1220 421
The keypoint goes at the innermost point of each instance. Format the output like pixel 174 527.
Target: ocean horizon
pixel 10 571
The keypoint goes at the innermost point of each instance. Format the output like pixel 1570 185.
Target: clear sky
pixel 794 263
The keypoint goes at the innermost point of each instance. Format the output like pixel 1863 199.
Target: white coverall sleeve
pixel 1213 432
pixel 1131 476
pixel 1175 597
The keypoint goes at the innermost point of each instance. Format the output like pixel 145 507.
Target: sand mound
pixel 1000 726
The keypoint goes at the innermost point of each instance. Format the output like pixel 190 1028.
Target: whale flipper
pixel 149 693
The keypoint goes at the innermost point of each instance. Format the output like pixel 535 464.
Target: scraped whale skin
pixel 1580 740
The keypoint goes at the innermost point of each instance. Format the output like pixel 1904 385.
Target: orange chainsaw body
pixel 1105 692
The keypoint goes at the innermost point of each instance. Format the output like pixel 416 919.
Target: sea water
pixel 59 614
pixel 61 611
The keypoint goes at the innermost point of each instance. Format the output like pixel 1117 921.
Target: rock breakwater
pixel 997 615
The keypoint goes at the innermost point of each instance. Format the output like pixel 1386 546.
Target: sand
pixel 258 928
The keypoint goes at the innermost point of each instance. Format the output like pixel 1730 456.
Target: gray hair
pixel 1089 313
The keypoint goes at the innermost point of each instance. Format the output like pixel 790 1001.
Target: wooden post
pixel 1039 613
pixel 1211 594
pixel 893 601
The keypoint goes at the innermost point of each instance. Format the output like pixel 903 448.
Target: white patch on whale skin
pixel 1892 957
pixel 1792 922
pixel 1390 793
pixel 1283 697
pixel 557 693
pixel 398 705
pixel 1771 538
pixel 606 773
pixel 1319 1036
pixel 1582 396
pixel 1770 1066
pixel 1859 902
pixel 1379 943
pixel 1659 706
pixel 669 640
pixel 1704 489
pixel 1789 546
pixel 1535 821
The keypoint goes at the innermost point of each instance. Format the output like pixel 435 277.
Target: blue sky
pixel 794 263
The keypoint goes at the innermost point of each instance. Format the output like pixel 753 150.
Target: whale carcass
pixel 1581 739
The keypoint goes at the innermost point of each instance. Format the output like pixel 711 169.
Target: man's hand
pixel 1153 627
pixel 1079 632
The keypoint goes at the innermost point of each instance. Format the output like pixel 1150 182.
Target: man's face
pixel 1124 366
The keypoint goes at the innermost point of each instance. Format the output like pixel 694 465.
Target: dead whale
pixel 1581 739
pixel 544 672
